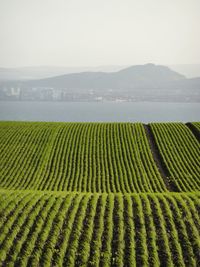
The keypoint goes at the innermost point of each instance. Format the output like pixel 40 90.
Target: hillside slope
pixel 99 194
pixel 134 77
pixel 141 76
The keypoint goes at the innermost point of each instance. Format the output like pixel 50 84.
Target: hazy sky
pixel 99 32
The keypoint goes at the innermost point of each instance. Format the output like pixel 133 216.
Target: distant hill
pixel 147 82
pixel 189 70
pixel 139 76
pixel 41 72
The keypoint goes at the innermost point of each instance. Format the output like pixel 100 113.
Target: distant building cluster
pixel 51 94
pixel 12 93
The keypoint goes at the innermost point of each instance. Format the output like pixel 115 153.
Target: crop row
pixel 197 125
pixel 97 157
pixel 84 229
pixel 84 157
pixel 180 151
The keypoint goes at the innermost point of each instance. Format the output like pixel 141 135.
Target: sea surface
pixel 99 111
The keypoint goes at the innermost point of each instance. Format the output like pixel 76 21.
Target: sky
pixel 99 32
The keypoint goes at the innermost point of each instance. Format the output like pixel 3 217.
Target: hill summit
pixel 138 76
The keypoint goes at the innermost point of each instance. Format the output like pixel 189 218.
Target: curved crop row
pixel 197 125
pixel 82 157
pixel 66 229
pixel 23 153
pixel 181 153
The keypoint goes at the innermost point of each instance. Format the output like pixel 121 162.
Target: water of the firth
pixel 99 111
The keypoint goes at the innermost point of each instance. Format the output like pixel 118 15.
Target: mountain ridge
pixel 147 82
pixel 138 76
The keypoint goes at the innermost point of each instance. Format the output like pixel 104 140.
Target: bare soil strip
pixel 159 160
pixel 194 130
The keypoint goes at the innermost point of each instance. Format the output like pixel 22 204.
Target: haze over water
pixel 105 112
pixel 99 33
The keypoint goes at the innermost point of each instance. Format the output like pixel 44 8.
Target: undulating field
pixel 99 194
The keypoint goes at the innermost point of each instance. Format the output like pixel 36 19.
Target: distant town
pixel 147 82
pixel 94 95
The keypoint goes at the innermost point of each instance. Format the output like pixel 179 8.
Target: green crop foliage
pixel 94 194
pixel 82 157
pixel 84 229
pixel 181 153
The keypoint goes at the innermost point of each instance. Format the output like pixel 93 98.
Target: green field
pixel 99 194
